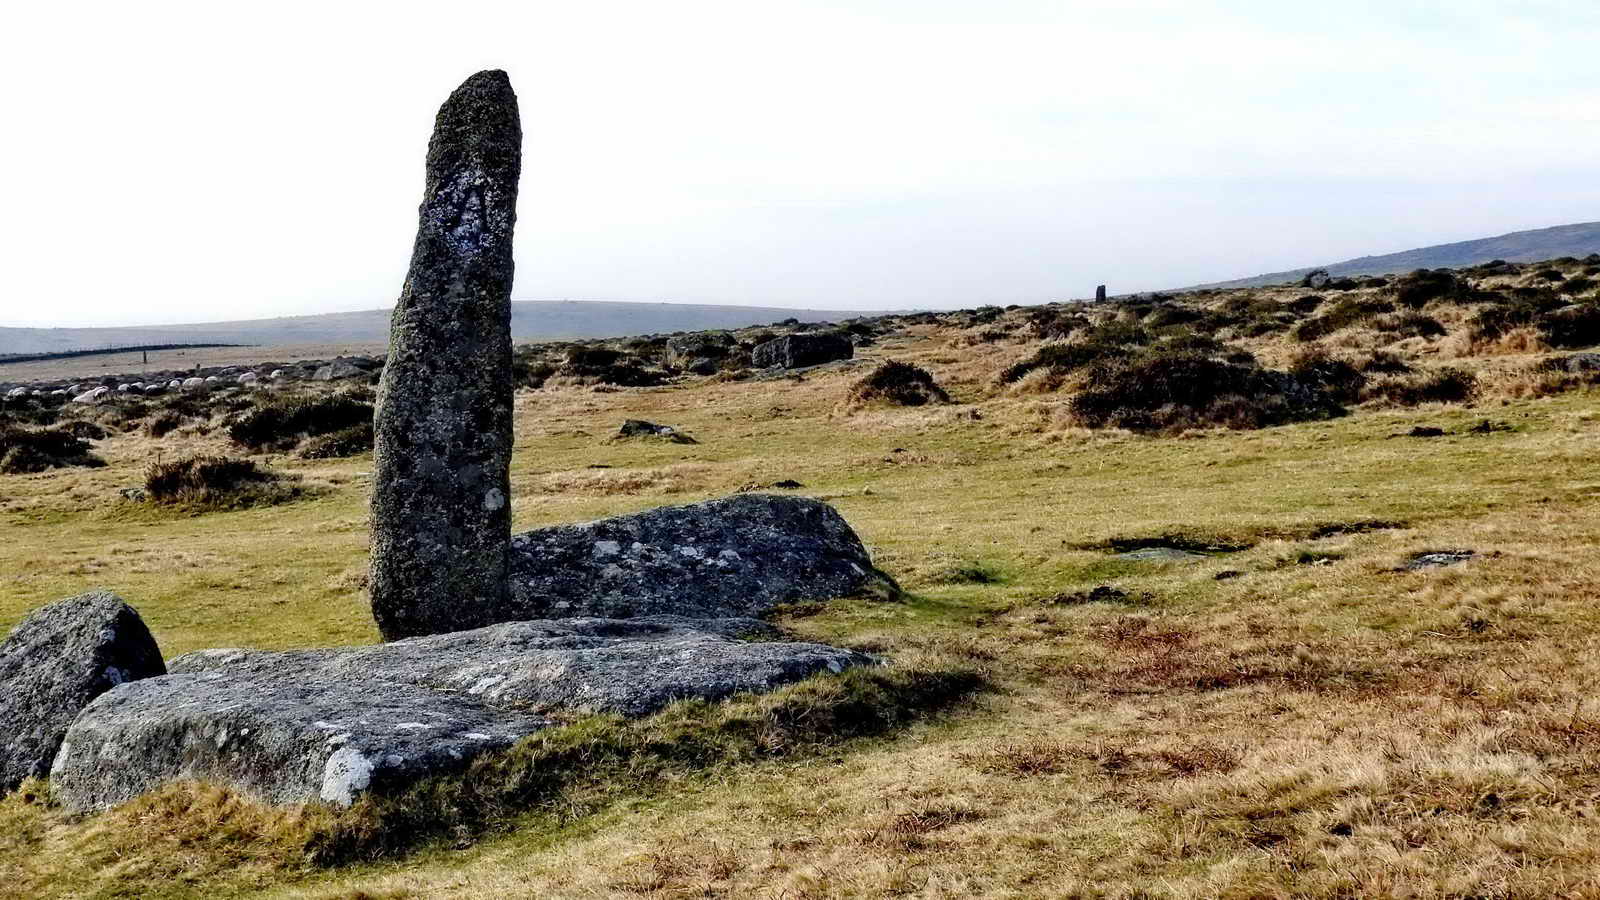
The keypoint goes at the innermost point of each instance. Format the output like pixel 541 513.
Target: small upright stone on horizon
pixel 1100 294
pixel 441 518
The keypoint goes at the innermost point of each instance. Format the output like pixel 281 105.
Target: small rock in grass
pixel 633 428
pixel 1436 559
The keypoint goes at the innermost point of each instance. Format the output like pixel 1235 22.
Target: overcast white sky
pixel 171 162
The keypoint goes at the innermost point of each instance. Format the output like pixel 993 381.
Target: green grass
pixel 1212 740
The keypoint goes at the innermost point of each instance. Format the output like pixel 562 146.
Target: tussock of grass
pixel 608 365
pixel 346 442
pixel 1336 377
pixel 215 482
pixel 1346 313
pixel 1439 386
pixel 29 450
pixel 1162 392
pixel 1418 288
pixel 967 573
pixel 898 384
pixel 1571 327
pixel 280 423
pixel 163 424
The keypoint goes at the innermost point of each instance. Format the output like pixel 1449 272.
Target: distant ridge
pixel 531 320
pixel 1581 239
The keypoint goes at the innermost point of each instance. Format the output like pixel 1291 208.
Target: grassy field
pixel 1319 723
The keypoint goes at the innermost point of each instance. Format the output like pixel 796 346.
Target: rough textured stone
pixel 736 556
pixel 338 370
pixel 441 516
pixel 632 428
pixel 1100 294
pixel 53 664
pixel 794 351
pixel 688 351
pixel 1579 362
pixel 1435 559
pixel 332 724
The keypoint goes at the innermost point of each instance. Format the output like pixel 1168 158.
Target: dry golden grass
pixel 1319 724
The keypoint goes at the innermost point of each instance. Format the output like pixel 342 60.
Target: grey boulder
pixel 735 556
pixel 632 428
pixel 795 351
pixel 1578 362
pixel 338 370
pixel 702 349
pixel 53 664
pixel 331 725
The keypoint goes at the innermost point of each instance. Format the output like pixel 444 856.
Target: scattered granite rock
pixel 1437 559
pixel 1104 593
pixel 337 371
pixel 787 484
pixel 795 351
pixel 735 556
pixel 57 660
pixel 1161 554
pixel 1579 362
pixel 700 353
pixel 633 428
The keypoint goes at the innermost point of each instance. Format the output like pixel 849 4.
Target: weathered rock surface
pixel 735 556
pixel 700 354
pixel 337 371
pixel 633 428
pixel 1578 362
pixel 441 516
pixel 794 351
pixel 679 350
pixel 53 664
pixel 1437 559
pixel 333 724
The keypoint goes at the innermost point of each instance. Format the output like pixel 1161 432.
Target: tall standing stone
pixel 441 521
pixel 1100 294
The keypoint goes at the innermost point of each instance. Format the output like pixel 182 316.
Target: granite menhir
pixel 441 520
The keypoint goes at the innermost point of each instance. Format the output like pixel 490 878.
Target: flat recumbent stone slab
pixel 331 725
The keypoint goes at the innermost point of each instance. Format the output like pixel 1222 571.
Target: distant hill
pixel 1519 246
pixel 530 320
